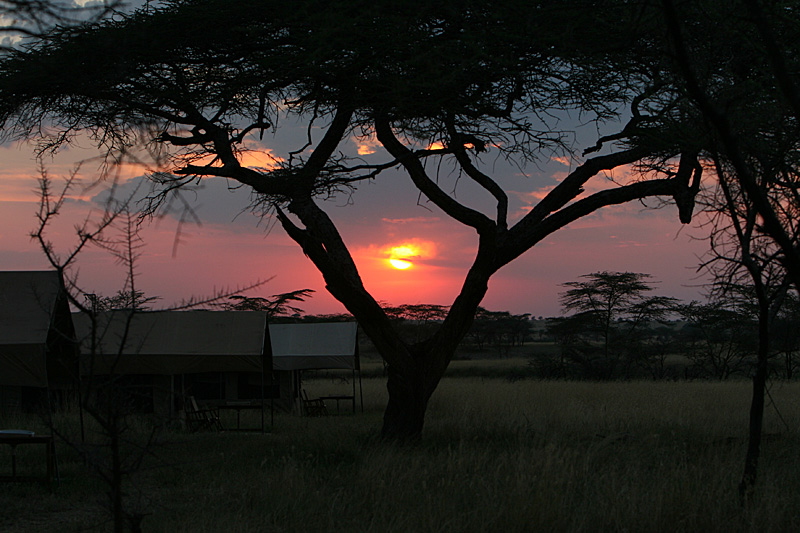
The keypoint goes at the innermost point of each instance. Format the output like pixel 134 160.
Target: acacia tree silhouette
pixel 737 64
pixel 450 83
pixel 747 270
pixel 610 309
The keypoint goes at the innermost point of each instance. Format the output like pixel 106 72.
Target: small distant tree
pixel 611 313
pixel 276 305
pixel 416 322
pixel 328 317
pixel 718 339
pixel 658 344
pixel 501 329
pixel 123 299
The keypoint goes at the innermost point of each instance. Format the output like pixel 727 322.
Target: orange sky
pixel 232 249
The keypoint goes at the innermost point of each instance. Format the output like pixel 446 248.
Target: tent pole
pixel 80 411
pixel 262 391
pixel 272 399
pixel 360 390
pixel 360 386
pixel 53 431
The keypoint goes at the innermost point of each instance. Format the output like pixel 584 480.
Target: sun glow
pixel 399 256
pixel 400 264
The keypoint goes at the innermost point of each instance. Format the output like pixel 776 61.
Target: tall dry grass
pixel 496 456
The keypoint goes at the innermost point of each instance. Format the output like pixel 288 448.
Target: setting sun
pixel 400 256
pixel 399 264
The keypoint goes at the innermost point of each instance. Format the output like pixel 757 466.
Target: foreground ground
pixel 497 455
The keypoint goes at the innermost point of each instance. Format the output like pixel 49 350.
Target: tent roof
pixel 160 342
pixel 313 346
pixel 27 303
pixel 176 332
pixel 173 342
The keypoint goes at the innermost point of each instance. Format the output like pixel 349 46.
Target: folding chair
pixel 201 419
pixel 315 407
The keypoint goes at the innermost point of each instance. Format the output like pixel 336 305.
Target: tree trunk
pixel 405 411
pixel 756 407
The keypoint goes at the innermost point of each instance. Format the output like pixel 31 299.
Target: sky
pixel 228 247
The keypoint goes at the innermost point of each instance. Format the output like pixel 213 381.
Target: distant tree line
pixel 613 328
pixel 617 331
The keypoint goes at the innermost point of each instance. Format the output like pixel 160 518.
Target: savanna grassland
pixel 497 455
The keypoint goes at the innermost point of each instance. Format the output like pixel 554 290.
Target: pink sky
pixel 232 249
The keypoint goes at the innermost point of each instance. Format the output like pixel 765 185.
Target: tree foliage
pixel 24 20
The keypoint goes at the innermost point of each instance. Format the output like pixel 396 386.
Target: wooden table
pixel 15 438
pixel 340 398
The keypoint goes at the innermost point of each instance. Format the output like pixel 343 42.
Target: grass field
pixel 497 455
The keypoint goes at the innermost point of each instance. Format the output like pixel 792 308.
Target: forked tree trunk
pixel 413 370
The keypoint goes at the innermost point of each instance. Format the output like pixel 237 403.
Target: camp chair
pixel 201 419
pixel 315 407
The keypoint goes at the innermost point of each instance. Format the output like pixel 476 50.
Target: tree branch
pixel 571 186
pixel 425 184
pixel 521 238
pixel 479 177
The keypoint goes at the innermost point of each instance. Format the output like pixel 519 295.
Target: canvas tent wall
pixel 37 338
pixel 314 346
pixel 162 345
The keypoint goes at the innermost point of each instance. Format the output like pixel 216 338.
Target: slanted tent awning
pixel 36 333
pixel 314 346
pixel 173 342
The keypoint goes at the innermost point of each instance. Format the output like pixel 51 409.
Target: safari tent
pixel 37 339
pixel 169 355
pixel 220 357
pixel 315 346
